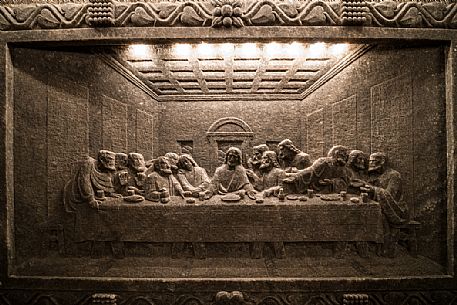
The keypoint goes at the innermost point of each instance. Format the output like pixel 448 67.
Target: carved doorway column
pixel 227 132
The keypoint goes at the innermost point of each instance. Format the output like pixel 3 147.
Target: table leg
pixel 257 249
pixel 280 251
pixel 362 248
pixel 199 250
pixel 117 248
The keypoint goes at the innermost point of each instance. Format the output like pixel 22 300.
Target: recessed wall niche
pixel 70 103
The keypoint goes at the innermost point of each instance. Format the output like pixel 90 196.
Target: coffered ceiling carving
pixel 211 70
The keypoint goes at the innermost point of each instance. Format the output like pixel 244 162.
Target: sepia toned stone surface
pixel 69 103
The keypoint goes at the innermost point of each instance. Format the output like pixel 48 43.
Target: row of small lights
pixel 247 50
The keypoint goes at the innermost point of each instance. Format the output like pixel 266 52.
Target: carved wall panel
pixel 315 129
pixel 114 118
pixel 392 126
pixel 68 136
pixel 144 134
pixel 30 125
pixel 344 122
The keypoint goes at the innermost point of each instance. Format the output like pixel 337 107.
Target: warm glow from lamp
pixel 226 49
pixel 205 50
pixel 273 49
pixel 248 50
pixel 317 49
pixel 294 49
pixel 139 50
pixel 182 49
pixel 339 49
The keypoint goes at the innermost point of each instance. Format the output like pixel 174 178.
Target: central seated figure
pixel 231 176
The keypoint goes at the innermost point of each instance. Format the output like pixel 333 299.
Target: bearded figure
pixel 291 158
pixel 385 187
pixel 173 158
pixel 121 176
pixel 326 175
pixel 91 182
pixel 160 182
pixel 254 162
pixel 271 176
pixel 191 176
pixel 231 176
pixel 384 183
pixel 358 170
pixel 137 176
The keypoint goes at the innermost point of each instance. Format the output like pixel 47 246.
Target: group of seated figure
pixel 291 171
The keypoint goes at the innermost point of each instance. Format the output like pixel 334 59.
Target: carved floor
pixel 349 265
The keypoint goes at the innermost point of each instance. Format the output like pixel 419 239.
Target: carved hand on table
pixel 136 190
pixel 187 193
pixel 268 193
pixel 357 183
pixel 251 195
pixel 367 188
pixel 114 195
pixel 325 182
pixel 290 178
pixel 94 204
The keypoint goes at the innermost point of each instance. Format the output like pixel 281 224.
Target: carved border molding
pixel 18 297
pixel 228 14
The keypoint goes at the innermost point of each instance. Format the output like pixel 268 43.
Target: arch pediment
pixel 229 126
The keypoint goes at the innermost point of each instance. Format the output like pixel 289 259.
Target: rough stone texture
pixel 407 125
pixel 392 128
pixel 344 122
pixel 315 134
pixel 67 136
pixel 67 105
pixel 144 133
pixel 114 130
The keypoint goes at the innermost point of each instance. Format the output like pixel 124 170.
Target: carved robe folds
pixel 86 183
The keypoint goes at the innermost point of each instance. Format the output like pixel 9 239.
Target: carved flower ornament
pixel 227 13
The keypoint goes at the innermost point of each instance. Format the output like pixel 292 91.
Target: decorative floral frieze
pixel 229 13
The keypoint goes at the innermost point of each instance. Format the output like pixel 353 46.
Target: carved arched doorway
pixel 227 132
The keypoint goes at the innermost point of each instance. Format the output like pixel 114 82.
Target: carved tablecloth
pixel 245 221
